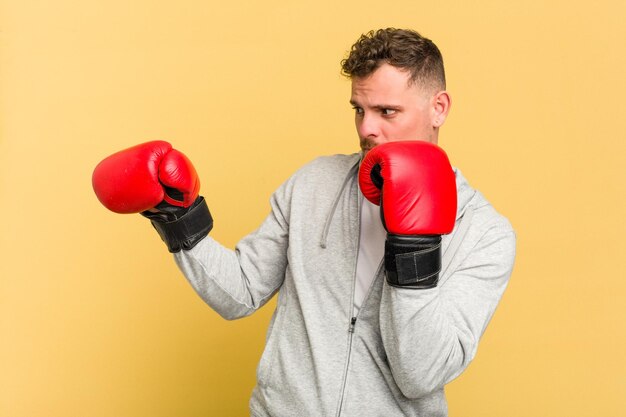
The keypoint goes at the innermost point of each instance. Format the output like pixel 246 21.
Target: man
pixel 374 314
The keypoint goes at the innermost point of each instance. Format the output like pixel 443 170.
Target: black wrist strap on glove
pixel 413 261
pixel 181 228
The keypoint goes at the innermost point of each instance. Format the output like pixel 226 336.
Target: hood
pixel 464 193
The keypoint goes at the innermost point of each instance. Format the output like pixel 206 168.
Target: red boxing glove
pixel 415 186
pixel 153 175
pixel 141 177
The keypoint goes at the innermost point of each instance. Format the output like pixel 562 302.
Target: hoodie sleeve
pixel 430 336
pixel 235 283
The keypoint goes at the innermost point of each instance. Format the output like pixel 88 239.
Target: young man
pixel 378 307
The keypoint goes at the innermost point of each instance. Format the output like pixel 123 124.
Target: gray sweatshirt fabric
pixel 395 357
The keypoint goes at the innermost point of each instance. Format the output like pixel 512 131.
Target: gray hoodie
pixel 403 346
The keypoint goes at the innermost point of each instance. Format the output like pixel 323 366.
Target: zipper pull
pixel 352 323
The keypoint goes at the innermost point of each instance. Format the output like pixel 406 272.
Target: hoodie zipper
pixel 345 371
pixel 352 324
pixel 353 319
pixel 351 173
pixel 351 328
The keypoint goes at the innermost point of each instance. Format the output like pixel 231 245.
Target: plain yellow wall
pixel 95 320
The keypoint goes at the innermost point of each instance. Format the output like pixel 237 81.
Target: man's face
pixel 388 109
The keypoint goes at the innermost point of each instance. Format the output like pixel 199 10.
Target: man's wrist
pixel 413 261
pixel 184 228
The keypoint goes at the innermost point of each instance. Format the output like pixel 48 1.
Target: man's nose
pixel 368 126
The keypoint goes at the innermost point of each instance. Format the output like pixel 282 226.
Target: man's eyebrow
pixel 386 106
pixel 379 106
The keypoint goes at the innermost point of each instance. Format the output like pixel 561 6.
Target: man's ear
pixel 440 108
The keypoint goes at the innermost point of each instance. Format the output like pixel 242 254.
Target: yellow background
pixel 96 321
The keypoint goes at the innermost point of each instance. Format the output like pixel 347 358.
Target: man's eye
pixel 357 110
pixel 388 112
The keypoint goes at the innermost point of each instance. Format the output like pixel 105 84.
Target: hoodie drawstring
pixel 333 209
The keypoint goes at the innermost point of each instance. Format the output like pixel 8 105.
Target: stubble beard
pixel 367 145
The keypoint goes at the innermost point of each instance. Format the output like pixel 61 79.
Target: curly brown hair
pixel 401 48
